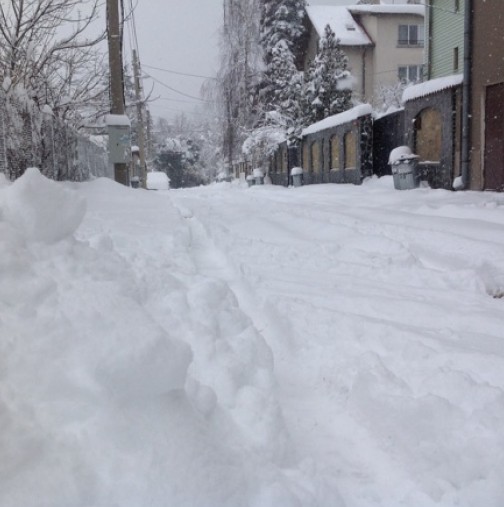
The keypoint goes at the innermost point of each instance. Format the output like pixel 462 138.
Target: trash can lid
pixel 401 154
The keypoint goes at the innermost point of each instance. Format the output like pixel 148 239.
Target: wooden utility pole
pixel 141 126
pixel 121 170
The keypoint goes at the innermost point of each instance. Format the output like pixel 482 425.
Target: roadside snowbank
pixel 127 378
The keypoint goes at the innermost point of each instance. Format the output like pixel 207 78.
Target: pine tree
pixel 326 83
pixel 283 20
pixel 286 89
pixel 283 37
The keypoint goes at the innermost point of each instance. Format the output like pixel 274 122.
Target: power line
pixel 173 89
pixel 178 73
pixel 177 100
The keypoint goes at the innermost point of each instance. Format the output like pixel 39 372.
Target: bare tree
pixel 45 49
pixel 238 76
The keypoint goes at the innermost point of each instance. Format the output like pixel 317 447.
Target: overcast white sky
pixel 181 36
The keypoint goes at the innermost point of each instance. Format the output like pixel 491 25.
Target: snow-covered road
pixel 388 342
pixel 225 346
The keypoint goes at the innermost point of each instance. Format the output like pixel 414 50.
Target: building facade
pixel 445 44
pixel 466 39
pixel 384 44
pixel 487 96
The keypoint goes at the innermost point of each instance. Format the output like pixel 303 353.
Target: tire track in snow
pixel 338 446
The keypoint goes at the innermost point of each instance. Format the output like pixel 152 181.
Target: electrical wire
pixel 174 89
pixel 177 100
pixel 178 73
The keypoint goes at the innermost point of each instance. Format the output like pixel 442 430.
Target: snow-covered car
pixel 157 180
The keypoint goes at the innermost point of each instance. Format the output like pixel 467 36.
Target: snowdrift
pixel 127 378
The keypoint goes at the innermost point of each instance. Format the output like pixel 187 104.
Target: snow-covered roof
pixel 417 10
pixel 339 119
pixel 431 86
pixel 341 21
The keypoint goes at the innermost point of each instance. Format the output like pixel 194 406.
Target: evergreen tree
pixel 327 90
pixel 282 30
pixel 283 20
pixel 286 89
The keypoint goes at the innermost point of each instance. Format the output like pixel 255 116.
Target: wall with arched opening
pixel 432 125
pixel 428 135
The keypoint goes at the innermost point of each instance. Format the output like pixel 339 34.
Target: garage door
pixel 494 138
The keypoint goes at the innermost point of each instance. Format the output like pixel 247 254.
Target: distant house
pixel 384 43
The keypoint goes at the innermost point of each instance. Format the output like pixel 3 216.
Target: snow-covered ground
pixel 227 346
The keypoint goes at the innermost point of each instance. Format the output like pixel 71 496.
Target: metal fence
pixel 33 138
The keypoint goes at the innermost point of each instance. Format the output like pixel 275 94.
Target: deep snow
pixel 321 346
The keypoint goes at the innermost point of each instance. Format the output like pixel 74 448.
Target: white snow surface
pixel 119 120
pixel 335 346
pixel 157 180
pixel 338 119
pixel 342 23
pixel 431 86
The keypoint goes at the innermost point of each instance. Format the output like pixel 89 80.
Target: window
pixel 350 151
pixel 410 73
pixel 455 59
pixel 335 162
pixel 411 35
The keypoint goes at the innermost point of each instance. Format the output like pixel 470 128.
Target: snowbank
pixel 127 376
pixel 40 210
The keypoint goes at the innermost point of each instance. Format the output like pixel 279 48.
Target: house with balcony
pixel 384 44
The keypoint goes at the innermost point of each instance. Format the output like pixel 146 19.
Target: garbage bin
pixel 250 180
pixel 297 176
pixel 404 165
pixel 135 182
pixel 258 176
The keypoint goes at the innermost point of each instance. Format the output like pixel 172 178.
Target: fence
pixel 33 138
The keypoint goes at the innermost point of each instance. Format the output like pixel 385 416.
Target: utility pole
pixel 141 126
pixel 121 169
